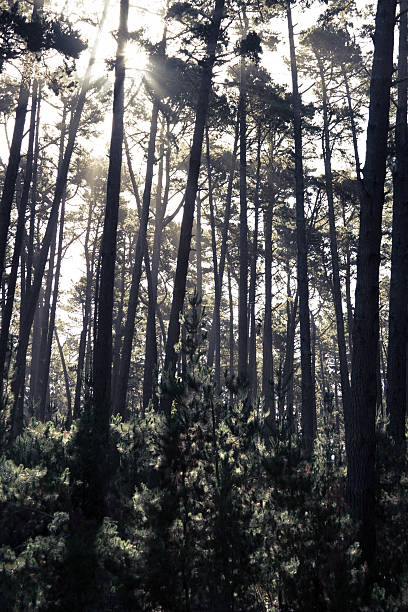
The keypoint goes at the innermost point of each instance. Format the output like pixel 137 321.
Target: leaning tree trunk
pixel 51 324
pixel 17 385
pixel 10 178
pixel 361 478
pixel 183 254
pixel 398 330
pixel 141 246
pixel 308 412
pixel 49 311
pixel 19 238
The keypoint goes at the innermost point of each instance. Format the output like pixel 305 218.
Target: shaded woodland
pixel 204 288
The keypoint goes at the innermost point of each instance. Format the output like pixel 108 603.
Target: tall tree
pixel 398 323
pixel 243 219
pixel 361 477
pixel 141 247
pixel 308 391
pixel 102 357
pixel 183 254
pixel 19 237
pixel 314 39
pixel 17 387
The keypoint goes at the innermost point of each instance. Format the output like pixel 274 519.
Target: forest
pixel 204 291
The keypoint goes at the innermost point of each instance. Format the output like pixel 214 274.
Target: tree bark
pixel 217 287
pixel 84 330
pixel 190 196
pixel 243 233
pixel 308 412
pixel 336 284
pixel 398 324
pixel 151 352
pixel 10 178
pixel 19 238
pixel 252 366
pixel 17 385
pixel 66 377
pixel 141 247
pixel 361 478
pixel 268 386
pixel 213 337
pixel 102 357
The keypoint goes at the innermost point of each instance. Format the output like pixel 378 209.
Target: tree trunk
pixel 10 178
pixel 32 299
pixel 217 287
pixel 85 319
pixel 66 377
pixel 398 330
pixel 198 242
pixel 151 352
pixel 141 247
pixel 102 357
pixel 51 324
pixel 308 412
pixel 243 233
pixel 50 309
pixel 183 254
pixel 19 238
pixel 231 325
pixel 253 374
pixel 213 336
pixel 268 387
pixel 361 455
pixel 336 284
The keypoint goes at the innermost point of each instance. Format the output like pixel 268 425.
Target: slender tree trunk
pixel 33 201
pixel 118 325
pixel 190 196
pixel 45 316
pixel 308 412
pixel 336 284
pixel 398 328
pixel 253 374
pixel 243 234
pixel 51 325
pixel 231 325
pixel 268 387
pixel 141 247
pixel 362 448
pixel 66 377
pixel 10 178
pixel 19 239
pixel 32 299
pixel 198 242
pixel 217 287
pixel 102 357
pixel 85 321
pixel 352 122
pixel 49 312
pixel 213 339
pixel 348 287
pixel 151 353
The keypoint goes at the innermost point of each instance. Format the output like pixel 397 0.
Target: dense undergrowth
pixel 203 513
